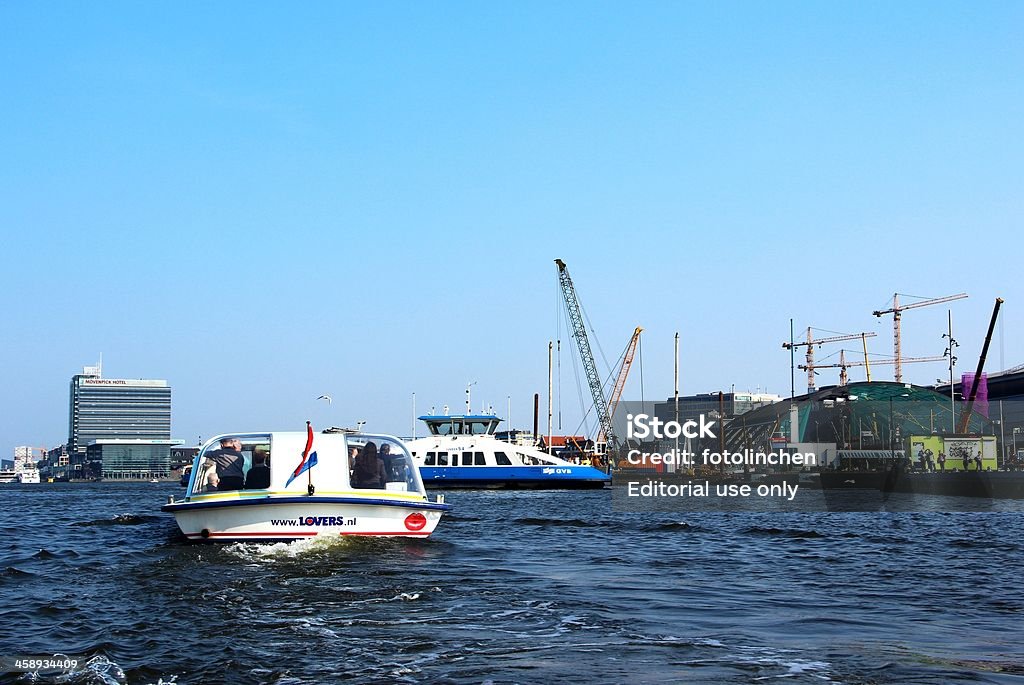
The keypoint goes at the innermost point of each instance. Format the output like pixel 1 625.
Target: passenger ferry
pixel 461 451
pixel 298 485
pixel 25 471
pixel 27 474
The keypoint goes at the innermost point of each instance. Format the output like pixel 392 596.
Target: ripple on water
pixel 120 520
pixel 520 587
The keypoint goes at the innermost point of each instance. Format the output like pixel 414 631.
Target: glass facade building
pixel 730 404
pixel 117 408
pixel 131 459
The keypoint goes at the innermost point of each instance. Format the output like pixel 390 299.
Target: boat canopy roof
pixel 289 462
pixel 461 424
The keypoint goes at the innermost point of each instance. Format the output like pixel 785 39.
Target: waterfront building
pixel 103 411
pixel 116 408
pixel 859 425
pixel 24 455
pixel 729 404
pixel 128 459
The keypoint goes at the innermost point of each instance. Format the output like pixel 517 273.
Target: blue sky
pixel 263 203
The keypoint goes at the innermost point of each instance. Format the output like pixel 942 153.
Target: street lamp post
pixel 892 443
pixel 893 431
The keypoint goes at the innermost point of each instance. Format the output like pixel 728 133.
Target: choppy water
pixel 515 587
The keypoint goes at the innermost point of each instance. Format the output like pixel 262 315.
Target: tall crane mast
pixel 843 364
pixel 579 332
pixel 811 342
pixel 620 381
pixel 897 310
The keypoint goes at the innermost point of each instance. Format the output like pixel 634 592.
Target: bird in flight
pixel 325 397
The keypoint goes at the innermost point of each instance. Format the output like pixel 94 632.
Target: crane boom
pixel 620 381
pixel 837 338
pixel 844 364
pixel 897 312
pixel 965 418
pixel 810 351
pixel 915 305
pixel 579 332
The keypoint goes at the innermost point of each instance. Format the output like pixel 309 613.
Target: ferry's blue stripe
pixel 263 501
pixel 497 474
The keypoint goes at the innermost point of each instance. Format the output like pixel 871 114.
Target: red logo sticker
pixel 415 521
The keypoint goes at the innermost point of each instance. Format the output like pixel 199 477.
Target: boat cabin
pixel 280 463
pixel 461 424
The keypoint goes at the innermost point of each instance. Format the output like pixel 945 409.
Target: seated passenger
pixel 258 477
pixel 209 481
pixel 369 468
pixel 385 459
pixel 229 462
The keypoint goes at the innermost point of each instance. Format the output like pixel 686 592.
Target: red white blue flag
pixel 308 458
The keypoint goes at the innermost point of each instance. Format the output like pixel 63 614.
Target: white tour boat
pixel 298 485
pixel 25 470
pixel 462 451
pixel 27 475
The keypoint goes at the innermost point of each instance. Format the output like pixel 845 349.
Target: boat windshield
pixel 462 425
pixel 233 462
pixel 381 462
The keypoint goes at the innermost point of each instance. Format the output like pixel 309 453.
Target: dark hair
pixel 366 461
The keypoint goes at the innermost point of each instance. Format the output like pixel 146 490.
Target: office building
pixel 112 408
pixel 118 426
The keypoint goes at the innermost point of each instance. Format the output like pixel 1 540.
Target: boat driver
pixel 229 463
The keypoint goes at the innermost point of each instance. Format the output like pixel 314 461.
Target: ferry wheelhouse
pixel 461 451
pixel 296 485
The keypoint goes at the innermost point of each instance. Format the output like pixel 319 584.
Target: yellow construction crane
pixel 810 343
pixel 843 364
pixel 897 310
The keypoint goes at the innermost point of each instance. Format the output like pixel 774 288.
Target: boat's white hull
pixel 305 517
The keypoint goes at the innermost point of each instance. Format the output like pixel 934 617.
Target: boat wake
pixel 257 551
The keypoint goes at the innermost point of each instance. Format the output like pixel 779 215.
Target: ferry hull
pixel 513 477
pixel 295 518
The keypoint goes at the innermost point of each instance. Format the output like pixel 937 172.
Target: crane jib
pixel 572 307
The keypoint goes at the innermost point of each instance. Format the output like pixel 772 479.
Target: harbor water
pixel 515 587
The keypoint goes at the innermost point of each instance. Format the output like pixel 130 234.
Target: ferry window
pixel 382 464
pixel 258 475
pixel 429 461
pixel 442 459
pixel 467 458
pixel 478 459
pixel 397 471
pixel 234 463
pixel 503 459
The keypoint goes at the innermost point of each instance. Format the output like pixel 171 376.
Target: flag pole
pixel 309 472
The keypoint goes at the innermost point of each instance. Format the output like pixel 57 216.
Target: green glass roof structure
pixel 862 415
